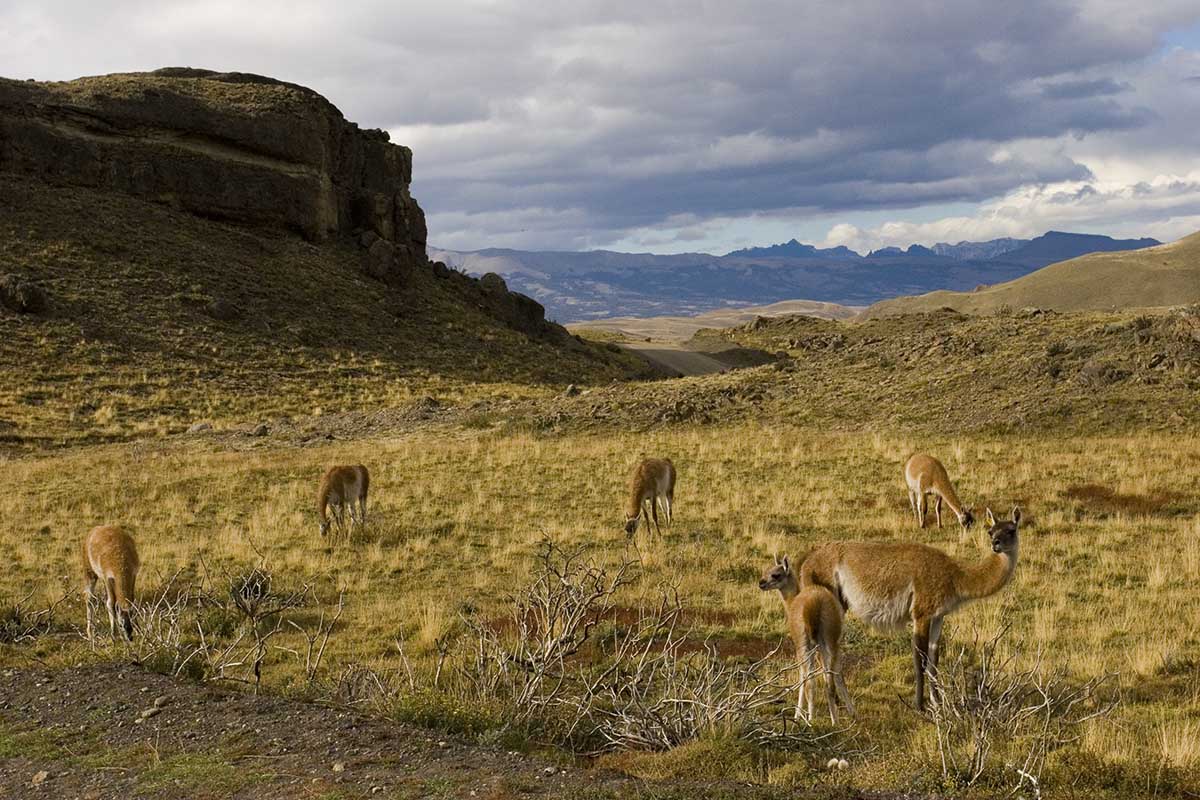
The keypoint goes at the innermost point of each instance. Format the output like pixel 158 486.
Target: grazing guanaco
pixel 814 619
pixel 653 484
pixel 887 584
pixel 925 475
pixel 343 488
pixel 109 553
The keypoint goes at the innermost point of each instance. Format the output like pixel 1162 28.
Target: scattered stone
pixel 261 429
pixel 368 238
pixel 39 777
pixel 199 427
pixel 1030 311
pixel 571 391
pixel 491 283
pixel 339 766
pixel 21 295
pixel 548 771
pixel 161 700
pixel 222 310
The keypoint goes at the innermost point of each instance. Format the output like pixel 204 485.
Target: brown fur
pixel 109 553
pixel 653 483
pixel 889 584
pixel 342 488
pixel 924 475
pixel 814 619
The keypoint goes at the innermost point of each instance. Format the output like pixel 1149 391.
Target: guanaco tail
pixel 924 476
pixel 653 485
pixel 888 584
pixel 343 488
pixel 814 619
pixel 110 554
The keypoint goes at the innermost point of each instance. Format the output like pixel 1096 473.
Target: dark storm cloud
pixel 582 120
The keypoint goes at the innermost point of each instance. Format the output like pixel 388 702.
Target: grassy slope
pixel 676 328
pixel 1166 275
pixel 130 350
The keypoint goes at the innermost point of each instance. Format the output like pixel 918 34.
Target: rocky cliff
pixel 229 146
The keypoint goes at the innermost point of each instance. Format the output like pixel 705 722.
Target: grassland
pixel 1109 561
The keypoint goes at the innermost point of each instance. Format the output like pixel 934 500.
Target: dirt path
pixel 90 732
pixel 675 358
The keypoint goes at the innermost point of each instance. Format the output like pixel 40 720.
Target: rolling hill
pixel 679 328
pixel 1166 275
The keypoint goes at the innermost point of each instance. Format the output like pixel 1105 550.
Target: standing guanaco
pixel 814 619
pixel 653 484
pixel 925 475
pixel 109 553
pixel 343 488
pixel 887 584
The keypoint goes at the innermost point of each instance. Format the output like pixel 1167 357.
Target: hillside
pixel 583 286
pixel 180 277
pixel 1165 275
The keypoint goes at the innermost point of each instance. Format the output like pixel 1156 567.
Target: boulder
pixel 491 283
pixel 380 259
pixel 223 310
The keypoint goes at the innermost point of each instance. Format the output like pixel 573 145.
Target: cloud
pixel 576 124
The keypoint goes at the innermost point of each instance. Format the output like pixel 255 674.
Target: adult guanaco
pixel 888 584
pixel 343 488
pixel 814 619
pixel 110 554
pixel 924 476
pixel 652 485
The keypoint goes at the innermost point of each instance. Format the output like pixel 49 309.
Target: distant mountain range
pixel 579 286
pixel 1102 281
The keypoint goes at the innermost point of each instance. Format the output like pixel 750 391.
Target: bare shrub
pixel 996 722
pixel 20 622
pixel 643 685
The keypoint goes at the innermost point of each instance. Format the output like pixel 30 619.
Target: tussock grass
pixel 456 516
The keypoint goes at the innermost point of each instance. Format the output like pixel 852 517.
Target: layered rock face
pixel 224 145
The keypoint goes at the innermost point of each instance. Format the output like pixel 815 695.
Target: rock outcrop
pixel 223 145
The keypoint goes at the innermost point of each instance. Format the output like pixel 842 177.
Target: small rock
pixel 199 427
pixel 571 391
pixel 378 789
pixel 261 429
pixel 339 767
pixel 548 771
pixel 153 711
pixel 39 777
pixel 223 310
pixel 21 295
pixel 831 764
pixel 843 764
pixel 161 701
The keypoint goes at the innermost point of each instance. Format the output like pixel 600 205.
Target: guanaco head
pixel 125 620
pixel 1003 533
pixel 324 527
pixel 777 576
pixel 966 519
pixel 631 523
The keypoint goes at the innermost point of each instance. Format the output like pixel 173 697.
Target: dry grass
pixel 456 516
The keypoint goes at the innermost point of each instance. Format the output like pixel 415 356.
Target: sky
pixel 709 126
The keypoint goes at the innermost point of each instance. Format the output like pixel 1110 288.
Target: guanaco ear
pixel 1016 515
pixel 991 519
pixel 786 567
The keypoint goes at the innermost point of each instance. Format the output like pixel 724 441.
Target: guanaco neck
pixel 951 497
pixel 788 590
pixel 985 577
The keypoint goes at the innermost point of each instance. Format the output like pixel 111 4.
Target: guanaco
pixel 925 475
pixel 653 484
pixel 887 584
pixel 814 619
pixel 109 553
pixel 341 489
